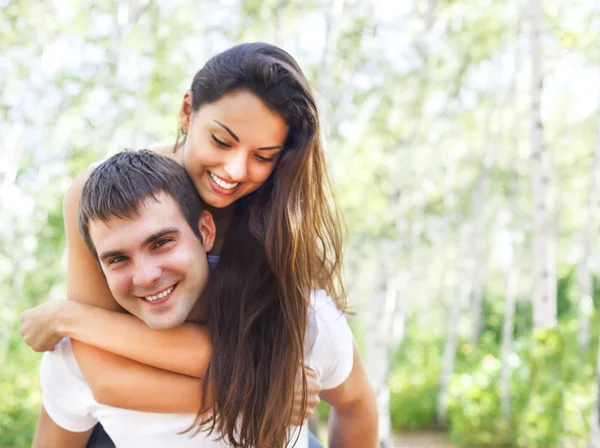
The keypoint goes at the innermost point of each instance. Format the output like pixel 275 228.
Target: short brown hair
pixel 118 186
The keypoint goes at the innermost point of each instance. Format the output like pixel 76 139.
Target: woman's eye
pixel 220 143
pixel 265 159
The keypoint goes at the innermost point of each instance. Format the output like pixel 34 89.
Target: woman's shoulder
pixel 73 194
pixel 163 150
pixel 323 308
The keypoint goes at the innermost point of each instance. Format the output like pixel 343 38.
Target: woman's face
pixel 232 145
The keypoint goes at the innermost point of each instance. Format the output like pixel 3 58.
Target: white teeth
pixel 160 295
pixel 222 183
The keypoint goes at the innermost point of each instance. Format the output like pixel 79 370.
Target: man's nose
pixel 146 274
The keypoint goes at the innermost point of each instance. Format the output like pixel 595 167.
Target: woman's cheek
pixel 197 163
pixel 262 173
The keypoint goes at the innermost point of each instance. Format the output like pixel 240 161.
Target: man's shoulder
pixel 59 369
pixel 65 394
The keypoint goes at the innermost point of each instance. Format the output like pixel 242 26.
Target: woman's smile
pixel 220 186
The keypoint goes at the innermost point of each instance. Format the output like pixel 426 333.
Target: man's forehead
pixel 152 217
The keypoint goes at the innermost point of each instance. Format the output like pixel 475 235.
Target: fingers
pixel 313 388
pixel 313 385
pixel 310 372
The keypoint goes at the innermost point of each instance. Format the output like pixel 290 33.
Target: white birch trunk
pixel 544 244
pixel 279 14
pixel 459 286
pixel 325 92
pixel 380 320
pixel 589 239
pixel 508 329
pixel 11 153
pixel 512 274
pixel 479 217
pixel 595 423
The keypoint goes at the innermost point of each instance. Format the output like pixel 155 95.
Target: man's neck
pixel 199 313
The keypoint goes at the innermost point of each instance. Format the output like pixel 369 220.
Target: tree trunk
pixel 595 423
pixel 459 286
pixel 512 268
pixel 325 96
pixel 11 154
pixel 589 239
pixel 508 328
pixel 479 217
pixel 378 338
pixel 544 244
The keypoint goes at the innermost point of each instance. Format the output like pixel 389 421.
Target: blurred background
pixel 464 142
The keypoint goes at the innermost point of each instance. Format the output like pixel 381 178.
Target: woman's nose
pixel 236 166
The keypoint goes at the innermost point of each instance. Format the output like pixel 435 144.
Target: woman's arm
pixel 123 383
pixel 185 350
pixel 45 325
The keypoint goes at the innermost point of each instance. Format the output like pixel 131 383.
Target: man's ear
pixel 185 111
pixel 207 230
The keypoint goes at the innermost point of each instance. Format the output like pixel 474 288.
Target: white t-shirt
pixel 69 402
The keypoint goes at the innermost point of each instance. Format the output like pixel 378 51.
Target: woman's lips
pixel 219 189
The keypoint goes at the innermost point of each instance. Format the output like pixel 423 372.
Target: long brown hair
pixel 284 241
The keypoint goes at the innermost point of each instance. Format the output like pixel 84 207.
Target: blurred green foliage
pixel 20 395
pixel 405 117
pixel 551 388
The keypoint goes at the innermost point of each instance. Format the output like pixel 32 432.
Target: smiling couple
pixel 247 183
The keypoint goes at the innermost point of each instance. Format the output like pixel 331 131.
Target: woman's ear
pixel 207 230
pixel 185 111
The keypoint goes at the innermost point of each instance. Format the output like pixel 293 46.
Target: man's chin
pixel 162 325
pixel 165 322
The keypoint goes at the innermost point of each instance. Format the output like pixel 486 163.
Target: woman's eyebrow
pixel 267 148
pixel 235 137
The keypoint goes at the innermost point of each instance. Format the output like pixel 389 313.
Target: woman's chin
pixel 211 199
pixel 221 204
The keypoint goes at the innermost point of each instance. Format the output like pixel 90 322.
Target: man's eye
pixel 220 143
pixel 162 242
pixel 116 259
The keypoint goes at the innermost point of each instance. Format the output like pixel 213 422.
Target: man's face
pixel 155 266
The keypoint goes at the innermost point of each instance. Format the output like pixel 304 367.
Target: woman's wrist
pixel 68 318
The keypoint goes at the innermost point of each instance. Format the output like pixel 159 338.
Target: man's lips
pixel 160 297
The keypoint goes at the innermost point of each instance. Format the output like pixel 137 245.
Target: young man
pixel 141 216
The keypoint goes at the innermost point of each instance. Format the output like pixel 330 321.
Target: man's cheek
pixel 116 286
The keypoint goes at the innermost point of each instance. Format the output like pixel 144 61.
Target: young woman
pixel 249 140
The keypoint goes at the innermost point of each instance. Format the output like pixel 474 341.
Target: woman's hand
pixel 313 386
pixel 43 327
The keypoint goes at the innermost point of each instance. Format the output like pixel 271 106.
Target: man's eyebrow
pixel 156 235
pixel 160 234
pixel 109 254
pixel 237 139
